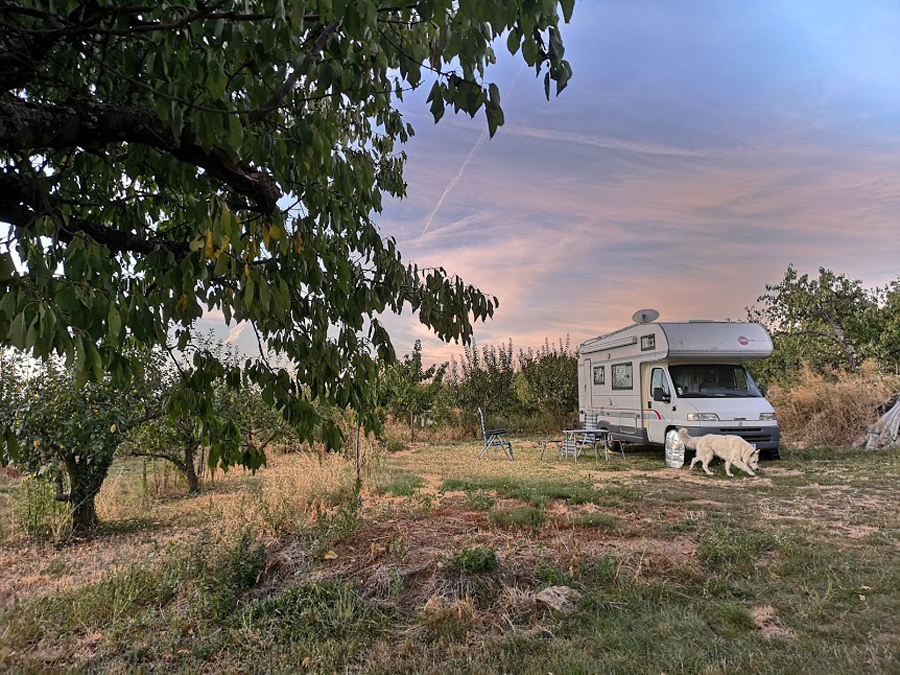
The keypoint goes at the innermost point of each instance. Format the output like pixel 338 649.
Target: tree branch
pixel 31 128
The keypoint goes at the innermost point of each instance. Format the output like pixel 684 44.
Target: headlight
pixel 702 417
pixel 767 417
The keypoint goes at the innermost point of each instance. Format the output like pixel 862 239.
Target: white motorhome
pixel 643 382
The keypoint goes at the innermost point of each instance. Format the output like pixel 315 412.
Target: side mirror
pixel 659 394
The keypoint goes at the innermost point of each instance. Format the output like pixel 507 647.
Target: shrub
pixel 835 408
pixel 476 560
pixel 38 513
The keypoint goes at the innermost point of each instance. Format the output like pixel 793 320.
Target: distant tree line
pixel 505 384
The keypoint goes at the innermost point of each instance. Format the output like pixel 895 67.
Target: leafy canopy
pixel 827 321
pixel 162 160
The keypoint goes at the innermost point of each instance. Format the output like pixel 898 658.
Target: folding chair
pixel 494 438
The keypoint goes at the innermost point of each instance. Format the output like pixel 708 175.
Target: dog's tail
pixel 686 438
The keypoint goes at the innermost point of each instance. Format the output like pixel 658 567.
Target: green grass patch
pixel 401 484
pixel 602 521
pixel 479 500
pixel 727 547
pixel 542 492
pixel 518 516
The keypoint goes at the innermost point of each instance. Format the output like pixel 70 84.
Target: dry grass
pixel 832 409
pixel 674 576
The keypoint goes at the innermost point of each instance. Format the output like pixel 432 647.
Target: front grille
pixel 749 434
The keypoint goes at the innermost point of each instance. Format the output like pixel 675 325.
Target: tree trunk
pixel 190 470
pixel 85 479
pixel 412 425
pixel 84 515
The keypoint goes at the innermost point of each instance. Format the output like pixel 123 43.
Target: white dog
pixel 733 449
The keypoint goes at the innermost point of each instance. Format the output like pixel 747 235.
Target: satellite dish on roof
pixel 645 316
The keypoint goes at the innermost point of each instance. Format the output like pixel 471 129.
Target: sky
pixel 700 148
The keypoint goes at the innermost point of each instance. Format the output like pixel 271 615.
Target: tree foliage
pixel 483 378
pixel 159 161
pixel 827 321
pixel 178 438
pixel 548 379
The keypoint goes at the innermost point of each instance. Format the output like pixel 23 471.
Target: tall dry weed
pixel 830 409
pixel 292 494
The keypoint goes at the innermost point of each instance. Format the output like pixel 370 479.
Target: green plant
pixel 410 389
pixel 475 560
pixel 37 511
pixel 515 517
pixel 325 610
pixel 601 521
pixel 479 500
pixel 67 430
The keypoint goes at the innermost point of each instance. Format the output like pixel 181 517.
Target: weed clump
pixel 476 560
pixel 479 501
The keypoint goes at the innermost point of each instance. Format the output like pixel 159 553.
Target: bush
pixel 835 408
pixel 475 560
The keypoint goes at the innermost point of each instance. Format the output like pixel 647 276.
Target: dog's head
pixel 752 458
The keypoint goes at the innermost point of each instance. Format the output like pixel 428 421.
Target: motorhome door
pixel 588 385
pixel 657 404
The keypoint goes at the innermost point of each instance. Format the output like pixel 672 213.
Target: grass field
pixel 438 567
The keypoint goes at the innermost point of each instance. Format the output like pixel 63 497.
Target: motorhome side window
pixel 648 343
pixel 599 375
pixel 622 376
pixel 658 380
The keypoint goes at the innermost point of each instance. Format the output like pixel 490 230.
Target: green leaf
pixel 114 322
pixel 513 40
pixel 568 7
pixel 7 268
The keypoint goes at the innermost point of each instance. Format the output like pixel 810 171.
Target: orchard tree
pixel 69 433
pixel 411 389
pixel 548 379
pixel 177 437
pixel 826 321
pixel 484 378
pixel 161 160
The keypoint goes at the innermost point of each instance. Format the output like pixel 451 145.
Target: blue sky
pixel 700 148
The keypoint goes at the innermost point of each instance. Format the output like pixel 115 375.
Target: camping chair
pixel 493 438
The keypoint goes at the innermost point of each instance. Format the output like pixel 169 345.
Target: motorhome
pixel 643 382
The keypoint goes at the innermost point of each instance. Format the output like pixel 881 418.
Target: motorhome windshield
pixel 713 381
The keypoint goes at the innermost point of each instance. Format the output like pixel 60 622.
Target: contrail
pixel 462 167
